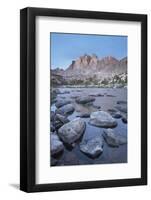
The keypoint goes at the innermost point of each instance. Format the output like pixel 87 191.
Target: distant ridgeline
pixel 91 71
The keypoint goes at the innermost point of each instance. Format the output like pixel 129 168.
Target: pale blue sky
pixel 67 47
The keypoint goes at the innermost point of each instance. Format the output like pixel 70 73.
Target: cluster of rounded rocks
pixel 65 132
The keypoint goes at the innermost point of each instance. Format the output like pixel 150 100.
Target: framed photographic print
pixel 83 99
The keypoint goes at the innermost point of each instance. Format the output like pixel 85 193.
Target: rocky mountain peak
pixel 109 60
pixel 90 67
pixel 91 70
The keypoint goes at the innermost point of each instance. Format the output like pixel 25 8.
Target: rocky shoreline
pixel 74 114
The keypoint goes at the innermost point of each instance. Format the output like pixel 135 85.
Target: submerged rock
pixel 84 115
pixel 102 119
pixel 97 95
pixel 56 144
pixel 85 99
pixel 110 95
pixel 113 139
pixel 117 115
pixel 111 110
pixel 66 109
pixel 72 131
pixel 62 102
pixel 100 95
pixel 96 106
pixel 92 147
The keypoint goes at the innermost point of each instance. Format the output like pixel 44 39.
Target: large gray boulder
pixel 66 109
pixel 56 144
pixel 113 139
pixel 102 119
pixel 85 99
pixel 92 147
pixel 62 102
pixel 72 131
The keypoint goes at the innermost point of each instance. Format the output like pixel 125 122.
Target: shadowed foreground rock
pixel 102 119
pixel 72 131
pixel 56 145
pixel 113 139
pixel 92 147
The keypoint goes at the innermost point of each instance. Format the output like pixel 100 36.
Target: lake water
pixel 73 156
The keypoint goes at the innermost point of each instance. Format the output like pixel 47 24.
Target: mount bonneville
pixel 89 70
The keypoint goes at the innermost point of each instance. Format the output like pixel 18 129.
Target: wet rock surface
pixel 113 139
pixel 85 99
pixel 92 147
pixel 102 119
pixel 72 131
pixel 71 141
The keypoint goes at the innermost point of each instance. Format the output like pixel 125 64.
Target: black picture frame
pixel 28 99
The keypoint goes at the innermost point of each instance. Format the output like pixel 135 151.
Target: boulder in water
pixel 113 139
pixel 72 131
pixel 92 147
pixel 102 119
pixel 85 99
